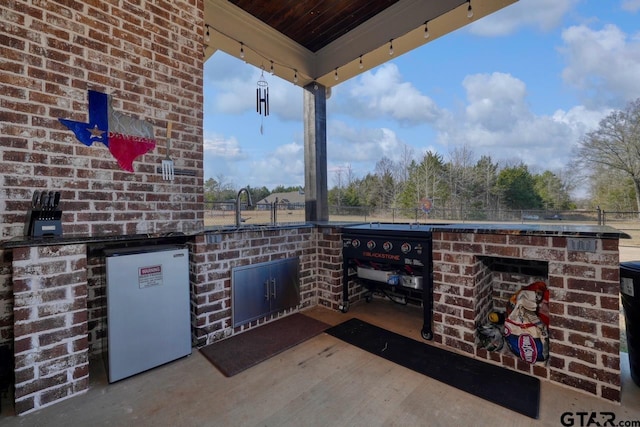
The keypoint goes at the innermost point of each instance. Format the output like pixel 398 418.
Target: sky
pixel 523 85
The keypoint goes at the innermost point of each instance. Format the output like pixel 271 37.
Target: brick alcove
pixel 584 300
pixel 500 278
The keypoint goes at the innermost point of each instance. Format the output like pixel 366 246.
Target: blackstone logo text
pixel 594 419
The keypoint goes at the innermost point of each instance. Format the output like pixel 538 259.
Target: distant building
pixel 286 201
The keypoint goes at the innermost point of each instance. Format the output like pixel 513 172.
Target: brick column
pixel 50 332
pixel 329 274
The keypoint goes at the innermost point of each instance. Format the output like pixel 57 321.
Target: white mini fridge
pixel 148 308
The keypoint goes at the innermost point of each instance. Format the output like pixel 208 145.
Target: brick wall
pixel 96 299
pixel 329 275
pixel 50 332
pixel 213 257
pixel 584 304
pixel 147 54
pixel 6 299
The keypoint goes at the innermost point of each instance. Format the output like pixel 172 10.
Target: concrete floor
pixel 322 382
pixel 192 392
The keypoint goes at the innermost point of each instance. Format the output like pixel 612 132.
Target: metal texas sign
pixel 125 137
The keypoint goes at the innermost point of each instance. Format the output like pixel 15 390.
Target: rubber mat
pixel 510 389
pixel 242 351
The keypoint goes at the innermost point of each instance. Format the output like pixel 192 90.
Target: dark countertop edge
pixel 567 230
pixel 226 229
pixel 597 231
pixel 601 232
pixel 26 241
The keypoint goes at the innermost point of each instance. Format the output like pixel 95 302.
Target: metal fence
pixel 224 214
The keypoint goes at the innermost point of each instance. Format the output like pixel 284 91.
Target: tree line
pixel 605 164
pixel 459 184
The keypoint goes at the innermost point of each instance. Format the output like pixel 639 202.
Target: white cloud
pixel 498 122
pixel 225 148
pixel 496 101
pixel 236 83
pixel 284 166
pixel 631 5
pixel 602 64
pixel 383 94
pixel 543 15
pixel 348 144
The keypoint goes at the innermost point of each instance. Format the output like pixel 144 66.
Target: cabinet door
pixel 250 293
pixel 285 286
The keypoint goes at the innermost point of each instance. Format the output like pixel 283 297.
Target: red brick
pixel 596 374
pixel 612 394
pixel 572 381
pixel 24 405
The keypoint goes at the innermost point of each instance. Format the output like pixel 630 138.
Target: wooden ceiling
pixel 330 41
pixel 314 23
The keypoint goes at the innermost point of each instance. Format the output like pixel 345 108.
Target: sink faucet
pixel 249 204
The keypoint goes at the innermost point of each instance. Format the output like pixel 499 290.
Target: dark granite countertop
pixel 27 241
pixel 592 231
pixel 68 239
pixel 568 230
pixel 564 230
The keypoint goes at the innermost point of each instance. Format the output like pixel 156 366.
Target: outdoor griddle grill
pixel 394 259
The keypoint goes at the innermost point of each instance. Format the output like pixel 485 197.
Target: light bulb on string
pixel 426 30
pixel 361 65
pixel 335 76
pixel 295 76
pixel 469 11
pixel 272 71
pixel 241 50
pixel 391 47
pixel 207 35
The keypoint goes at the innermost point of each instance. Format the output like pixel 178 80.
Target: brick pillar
pixel 50 331
pixel 329 273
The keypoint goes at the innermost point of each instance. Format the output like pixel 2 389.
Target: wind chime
pixel 262 99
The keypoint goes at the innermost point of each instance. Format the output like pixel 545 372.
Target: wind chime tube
pixel 262 97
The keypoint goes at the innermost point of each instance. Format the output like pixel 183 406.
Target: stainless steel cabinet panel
pixel 258 290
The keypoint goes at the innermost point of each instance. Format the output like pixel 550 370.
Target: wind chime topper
pixel 262 99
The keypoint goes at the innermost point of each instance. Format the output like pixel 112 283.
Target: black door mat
pixel 510 389
pixel 242 351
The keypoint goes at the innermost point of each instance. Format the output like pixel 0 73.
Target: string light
pixel 361 65
pixel 256 52
pixel 207 36
pixel 426 30
pixel 335 76
pixel 391 47
pixel 469 10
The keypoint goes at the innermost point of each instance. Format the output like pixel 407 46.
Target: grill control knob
pixel 371 244
pixel 387 246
